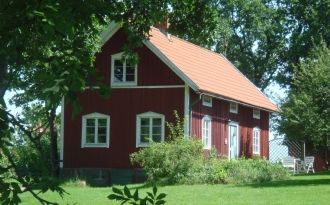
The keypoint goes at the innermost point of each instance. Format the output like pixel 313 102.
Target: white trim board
pixel 62 134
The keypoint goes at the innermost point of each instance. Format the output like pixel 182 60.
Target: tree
pixel 308 26
pixel 306 113
pixel 249 33
pixel 47 51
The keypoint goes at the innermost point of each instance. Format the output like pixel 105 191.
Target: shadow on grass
pixel 298 180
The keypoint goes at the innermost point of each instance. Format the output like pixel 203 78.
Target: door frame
pixel 232 123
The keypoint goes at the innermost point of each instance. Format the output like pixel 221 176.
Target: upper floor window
pixel 256 113
pixel 207 101
pixel 95 130
pixel 150 126
pixel 123 73
pixel 206 132
pixel 256 141
pixel 233 107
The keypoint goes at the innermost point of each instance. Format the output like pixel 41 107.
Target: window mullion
pixel 96 130
pixel 124 71
pixel 150 128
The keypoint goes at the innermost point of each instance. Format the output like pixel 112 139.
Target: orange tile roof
pixel 207 71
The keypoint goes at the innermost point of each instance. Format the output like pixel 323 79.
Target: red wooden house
pixel 220 105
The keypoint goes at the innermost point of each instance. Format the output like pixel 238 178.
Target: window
pixel 207 101
pixel 95 130
pixel 256 141
pixel 206 132
pixel 256 113
pixel 122 72
pixel 149 127
pixel 233 107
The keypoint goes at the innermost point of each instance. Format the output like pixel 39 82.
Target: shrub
pixel 170 162
pixel 253 171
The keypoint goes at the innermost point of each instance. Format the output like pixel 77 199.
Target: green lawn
pixel 303 190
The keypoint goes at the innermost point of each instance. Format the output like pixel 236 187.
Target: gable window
pixel 206 132
pixel 207 101
pixel 95 130
pixel 256 113
pixel 233 107
pixel 149 127
pixel 256 141
pixel 123 73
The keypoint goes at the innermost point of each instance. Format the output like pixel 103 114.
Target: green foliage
pixel 176 129
pixel 306 113
pixel 169 162
pixel 253 171
pixel 182 161
pixel 308 26
pixel 125 196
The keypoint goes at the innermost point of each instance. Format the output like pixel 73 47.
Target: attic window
pixel 207 101
pixel 123 73
pixel 233 107
pixel 256 113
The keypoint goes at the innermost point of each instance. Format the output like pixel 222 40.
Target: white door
pixel 233 141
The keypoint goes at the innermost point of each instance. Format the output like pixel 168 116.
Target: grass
pixel 302 189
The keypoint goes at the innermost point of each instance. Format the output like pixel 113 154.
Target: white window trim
pixel 256 113
pixel 83 138
pixel 233 110
pixel 138 126
pixel 205 103
pixel 254 151
pixel 209 145
pixel 118 56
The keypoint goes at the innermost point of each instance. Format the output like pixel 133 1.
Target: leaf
pixel 154 190
pixel 136 195
pixel 150 195
pixel 161 196
pixel 160 202
pixel 127 192
pixel 117 191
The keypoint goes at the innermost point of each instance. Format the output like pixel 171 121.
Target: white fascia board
pixel 110 30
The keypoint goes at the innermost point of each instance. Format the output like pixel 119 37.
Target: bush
pixel 170 162
pixel 253 171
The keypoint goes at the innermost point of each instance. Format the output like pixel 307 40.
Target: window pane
pixel 130 73
pixel 90 122
pixel 145 130
pixel 90 130
pixel 156 138
pixel 102 138
pixel 157 122
pixel 102 122
pixel 118 71
pixel 90 138
pixel 145 122
pixel 145 138
pixel 102 130
pixel 156 130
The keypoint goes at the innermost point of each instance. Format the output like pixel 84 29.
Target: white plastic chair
pixel 289 162
pixel 309 164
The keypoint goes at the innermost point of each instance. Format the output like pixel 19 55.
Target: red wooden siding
pixel 219 113
pixel 151 70
pixel 122 107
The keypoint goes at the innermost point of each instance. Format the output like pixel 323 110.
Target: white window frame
pixel 119 56
pixel 256 113
pixel 149 115
pixel 83 137
pixel 256 141
pixel 209 136
pixel 235 109
pixel 205 102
